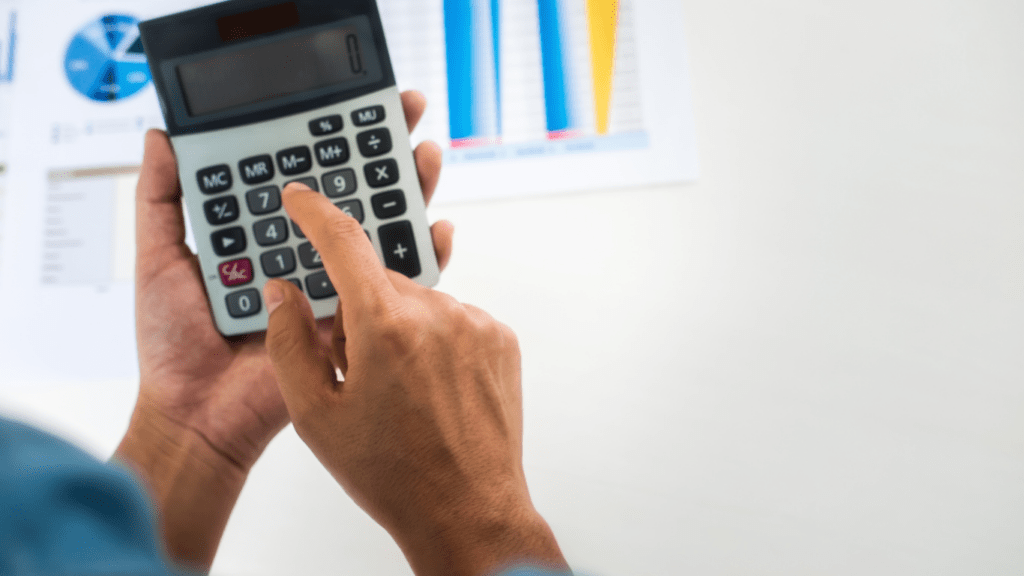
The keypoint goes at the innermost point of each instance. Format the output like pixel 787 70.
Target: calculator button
pixel 399 247
pixel 340 183
pixel 367 116
pixel 297 230
pixel 221 210
pixel 320 286
pixel 257 169
pixel 236 272
pixel 326 125
pixel 309 257
pixel 381 173
pixel 353 208
pixel 388 204
pixel 309 182
pixel 374 142
pixel 214 179
pixel 278 262
pixel 270 232
pixel 295 160
pixel 297 282
pixel 263 200
pixel 229 241
pixel 244 303
pixel 332 152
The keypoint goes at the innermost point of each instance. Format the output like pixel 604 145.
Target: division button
pixel 381 173
pixel 244 303
pixel 279 262
pixel 257 169
pixel 263 200
pixel 353 208
pixel 326 125
pixel 221 210
pixel 270 232
pixel 399 248
pixel 332 152
pixel 235 272
pixel 295 160
pixel 340 183
pixel 367 116
pixel 374 142
pixel 320 286
pixel 229 241
pixel 309 257
pixel 214 179
pixel 388 204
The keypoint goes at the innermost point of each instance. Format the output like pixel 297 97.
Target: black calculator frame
pixel 171 38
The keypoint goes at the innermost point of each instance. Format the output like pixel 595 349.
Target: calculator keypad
pixel 251 236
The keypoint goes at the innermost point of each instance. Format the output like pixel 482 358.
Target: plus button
pixel 400 251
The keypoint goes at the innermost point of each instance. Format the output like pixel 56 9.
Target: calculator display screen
pixel 339 57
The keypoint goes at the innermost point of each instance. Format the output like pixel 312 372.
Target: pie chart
pixel 105 61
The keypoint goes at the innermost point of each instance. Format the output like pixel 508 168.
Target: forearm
pixel 193 486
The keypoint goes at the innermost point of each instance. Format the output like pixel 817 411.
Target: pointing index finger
pixel 351 263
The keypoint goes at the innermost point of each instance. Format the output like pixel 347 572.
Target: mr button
pixel 256 169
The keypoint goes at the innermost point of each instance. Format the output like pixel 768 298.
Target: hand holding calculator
pixel 257 94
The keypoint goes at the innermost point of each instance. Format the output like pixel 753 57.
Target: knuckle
pixel 339 228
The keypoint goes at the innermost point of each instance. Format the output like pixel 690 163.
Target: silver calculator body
pixel 260 93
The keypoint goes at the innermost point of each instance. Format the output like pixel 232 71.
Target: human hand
pixel 208 406
pixel 425 431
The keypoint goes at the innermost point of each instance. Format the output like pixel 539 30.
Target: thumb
pixel 301 362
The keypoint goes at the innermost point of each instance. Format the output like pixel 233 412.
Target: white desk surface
pixel 809 362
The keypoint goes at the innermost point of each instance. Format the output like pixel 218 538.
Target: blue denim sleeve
pixel 64 512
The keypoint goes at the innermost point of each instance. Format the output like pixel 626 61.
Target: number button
pixel 236 272
pixel 298 231
pixel 295 160
pixel 309 257
pixel 332 152
pixel 214 179
pixel 229 241
pixel 221 210
pixel 257 169
pixel 263 200
pixel 381 173
pixel 340 183
pixel 399 248
pixel 374 142
pixel 245 303
pixel 353 208
pixel 270 232
pixel 367 116
pixel 320 286
pixel 388 204
pixel 309 182
pixel 326 125
pixel 279 262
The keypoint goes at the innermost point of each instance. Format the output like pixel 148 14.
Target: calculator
pixel 257 94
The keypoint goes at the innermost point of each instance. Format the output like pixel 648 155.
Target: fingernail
pixel 273 296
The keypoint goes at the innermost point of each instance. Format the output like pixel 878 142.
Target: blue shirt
pixel 64 513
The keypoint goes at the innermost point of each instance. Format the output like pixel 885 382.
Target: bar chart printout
pixel 577 57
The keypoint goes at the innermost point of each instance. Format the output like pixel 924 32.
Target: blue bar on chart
pixel 557 70
pixel 7 48
pixel 472 38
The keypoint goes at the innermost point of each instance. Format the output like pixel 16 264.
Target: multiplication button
pixel 295 160
pixel 214 179
pixel 381 173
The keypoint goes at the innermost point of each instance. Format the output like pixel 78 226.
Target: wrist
pixel 192 484
pixel 485 541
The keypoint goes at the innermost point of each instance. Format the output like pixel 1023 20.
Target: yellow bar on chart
pixel 603 18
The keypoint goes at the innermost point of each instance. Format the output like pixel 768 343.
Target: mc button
pixel 214 179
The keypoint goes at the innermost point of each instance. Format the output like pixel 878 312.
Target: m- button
pixel 295 160
pixel 214 179
pixel 256 169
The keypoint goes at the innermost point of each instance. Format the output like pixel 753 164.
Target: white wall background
pixel 810 362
